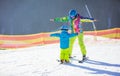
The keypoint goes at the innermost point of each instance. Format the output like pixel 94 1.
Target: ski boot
pixel 67 61
pixel 61 61
pixel 83 59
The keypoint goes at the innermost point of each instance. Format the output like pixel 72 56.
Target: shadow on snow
pixel 98 71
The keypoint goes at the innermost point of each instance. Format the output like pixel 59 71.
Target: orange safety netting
pixel 21 41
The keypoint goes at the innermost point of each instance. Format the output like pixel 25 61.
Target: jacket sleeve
pixel 61 19
pixel 86 19
pixel 55 35
pixel 73 34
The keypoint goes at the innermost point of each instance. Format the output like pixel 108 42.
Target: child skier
pixel 64 43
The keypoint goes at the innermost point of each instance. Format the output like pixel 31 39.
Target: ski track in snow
pixel 103 60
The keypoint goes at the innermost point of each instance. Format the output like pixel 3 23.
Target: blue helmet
pixel 64 27
pixel 72 13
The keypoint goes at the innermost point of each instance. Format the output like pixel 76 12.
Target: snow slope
pixel 103 60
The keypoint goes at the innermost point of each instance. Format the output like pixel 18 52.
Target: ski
pixel 63 62
pixel 58 60
pixel 74 58
pixel 84 60
pixel 78 60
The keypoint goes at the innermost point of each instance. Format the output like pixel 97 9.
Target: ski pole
pixel 94 27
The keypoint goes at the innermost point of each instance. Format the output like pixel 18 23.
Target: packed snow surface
pixel 103 60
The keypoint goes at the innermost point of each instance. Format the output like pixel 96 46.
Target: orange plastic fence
pixel 110 33
pixel 21 41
